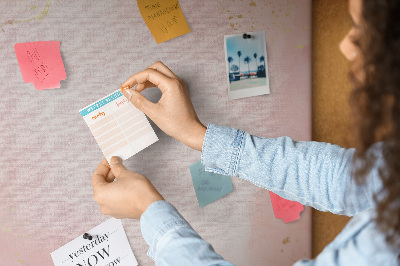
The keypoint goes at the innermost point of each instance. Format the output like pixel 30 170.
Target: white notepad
pixel 118 126
pixel 108 246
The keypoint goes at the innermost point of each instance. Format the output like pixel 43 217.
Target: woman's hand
pixel 127 197
pixel 174 112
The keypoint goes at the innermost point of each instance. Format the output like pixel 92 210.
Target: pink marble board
pixel 49 155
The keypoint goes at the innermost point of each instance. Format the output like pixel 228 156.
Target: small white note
pixel 118 126
pixel 109 247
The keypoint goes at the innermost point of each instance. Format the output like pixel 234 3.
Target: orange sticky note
pixel 164 18
pixel 41 64
pixel 284 209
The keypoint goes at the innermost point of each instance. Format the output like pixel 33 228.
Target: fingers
pixel 142 86
pixel 140 102
pixel 117 167
pixel 104 210
pixel 159 80
pixel 160 67
pixel 157 75
pixel 99 176
pixel 110 177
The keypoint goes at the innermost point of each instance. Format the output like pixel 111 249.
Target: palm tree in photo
pixel 230 60
pixel 234 68
pixel 262 59
pixel 239 54
pixel 255 57
pixel 247 60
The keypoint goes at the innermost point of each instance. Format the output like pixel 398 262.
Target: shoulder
pixel 361 241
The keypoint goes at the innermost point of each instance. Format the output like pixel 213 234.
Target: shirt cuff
pixel 222 147
pixel 159 218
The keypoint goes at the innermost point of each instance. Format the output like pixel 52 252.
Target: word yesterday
pixel 89 246
pixel 109 247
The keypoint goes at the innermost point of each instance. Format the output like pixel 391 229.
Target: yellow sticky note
pixel 164 18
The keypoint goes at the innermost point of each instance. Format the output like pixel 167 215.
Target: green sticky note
pixel 209 186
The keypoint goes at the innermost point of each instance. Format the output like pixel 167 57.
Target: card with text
pixel 41 63
pixel 108 246
pixel 118 126
pixel 209 186
pixel 164 19
pixel 287 210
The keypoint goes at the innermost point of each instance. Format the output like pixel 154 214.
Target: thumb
pixel 99 176
pixel 117 167
pixel 139 101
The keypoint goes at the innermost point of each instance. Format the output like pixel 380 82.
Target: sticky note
pixel 108 246
pixel 41 63
pixel 119 128
pixel 164 19
pixel 284 209
pixel 209 186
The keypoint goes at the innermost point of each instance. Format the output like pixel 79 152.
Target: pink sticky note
pixel 41 64
pixel 284 209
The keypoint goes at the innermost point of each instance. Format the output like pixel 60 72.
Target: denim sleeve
pixel 172 241
pixel 313 173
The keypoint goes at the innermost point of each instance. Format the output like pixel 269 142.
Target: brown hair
pixel 376 105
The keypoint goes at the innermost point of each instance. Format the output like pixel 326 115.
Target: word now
pixel 93 259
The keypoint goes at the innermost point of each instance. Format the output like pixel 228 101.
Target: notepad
pixel 287 210
pixel 41 63
pixel 119 128
pixel 108 246
pixel 209 186
pixel 164 19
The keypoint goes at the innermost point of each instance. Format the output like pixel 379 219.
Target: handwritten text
pixel 100 114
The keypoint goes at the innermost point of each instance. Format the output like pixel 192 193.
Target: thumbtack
pixel 246 36
pixel 87 236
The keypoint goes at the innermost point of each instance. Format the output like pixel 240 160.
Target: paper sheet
pixel 109 246
pixel 164 19
pixel 209 186
pixel 41 63
pixel 287 210
pixel 118 126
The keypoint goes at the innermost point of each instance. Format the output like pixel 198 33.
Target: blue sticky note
pixel 209 186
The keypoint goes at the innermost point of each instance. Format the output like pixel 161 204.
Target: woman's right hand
pixel 174 112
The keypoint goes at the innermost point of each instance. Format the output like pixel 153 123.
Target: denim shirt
pixel 312 173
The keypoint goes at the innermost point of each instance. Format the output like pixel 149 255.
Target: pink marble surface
pixel 48 153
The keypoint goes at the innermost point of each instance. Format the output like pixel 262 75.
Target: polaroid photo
pixel 246 65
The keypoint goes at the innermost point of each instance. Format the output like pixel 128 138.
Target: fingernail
pixel 115 160
pixel 129 92
pixel 124 88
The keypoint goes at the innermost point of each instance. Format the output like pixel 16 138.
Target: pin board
pixel 49 154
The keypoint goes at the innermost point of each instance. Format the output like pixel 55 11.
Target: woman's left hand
pixel 127 197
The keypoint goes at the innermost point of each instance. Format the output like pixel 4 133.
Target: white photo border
pixel 253 91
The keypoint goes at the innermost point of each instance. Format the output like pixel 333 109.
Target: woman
pixel 363 183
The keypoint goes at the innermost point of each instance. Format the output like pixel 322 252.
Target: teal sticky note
pixel 209 186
